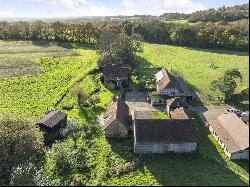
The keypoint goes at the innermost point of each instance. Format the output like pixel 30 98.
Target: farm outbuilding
pixel 167 84
pixel 172 86
pixel 164 135
pixel 53 120
pixel 117 121
pixel 175 102
pixel 232 134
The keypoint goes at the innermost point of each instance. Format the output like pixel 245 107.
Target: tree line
pixel 226 14
pixel 234 35
pixel 221 14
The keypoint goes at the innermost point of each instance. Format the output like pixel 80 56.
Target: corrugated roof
pixel 51 119
pixel 232 131
pixel 179 113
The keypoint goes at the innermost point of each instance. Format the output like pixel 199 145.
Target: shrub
pixel 20 141
pixel 28 174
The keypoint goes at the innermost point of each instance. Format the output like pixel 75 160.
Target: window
pixel 166 93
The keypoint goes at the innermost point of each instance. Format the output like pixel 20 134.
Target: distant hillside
pixel 226 14
pixel 175 16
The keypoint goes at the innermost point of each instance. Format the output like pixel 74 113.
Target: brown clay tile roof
pixel 178 113
pixel 165 131
pixel 232 131
pixel 173 102
pixel 117 110
pixel 115 70
pixel 51 119
pixel 168 81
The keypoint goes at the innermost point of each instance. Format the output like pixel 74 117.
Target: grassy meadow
pixel 32 95
pixel 198 67
pixel 112 161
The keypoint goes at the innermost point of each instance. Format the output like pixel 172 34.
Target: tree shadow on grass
pixel 240 100
pixel 220 51
pixel 41 43
pixel 206 167
pixel 243 164
pixel 124 147
pixel 90 114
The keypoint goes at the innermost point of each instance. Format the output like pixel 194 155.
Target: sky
pixel 76 8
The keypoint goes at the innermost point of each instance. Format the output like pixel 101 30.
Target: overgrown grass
pixel 92 85
pixel 159 115
pixel 32 95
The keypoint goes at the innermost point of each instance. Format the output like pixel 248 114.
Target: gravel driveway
pixel 137 101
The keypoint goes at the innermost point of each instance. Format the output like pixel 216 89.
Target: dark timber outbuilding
pixel 53 120
pixel 115 75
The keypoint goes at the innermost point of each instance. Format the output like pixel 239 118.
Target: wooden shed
pixel 53 120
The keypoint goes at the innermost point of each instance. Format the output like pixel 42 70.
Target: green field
pixel 93 86
pixel 112 161
pixel 32 95
pixel 180 21
pixel 198 67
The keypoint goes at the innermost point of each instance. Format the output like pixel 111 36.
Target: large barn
pixel 163 135
pixel 232 134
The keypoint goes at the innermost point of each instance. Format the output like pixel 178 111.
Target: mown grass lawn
pixel 198 67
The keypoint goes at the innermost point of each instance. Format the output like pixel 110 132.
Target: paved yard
pixel 137 101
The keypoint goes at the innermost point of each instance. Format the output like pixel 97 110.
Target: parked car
pixel 245 116
pixel 234 110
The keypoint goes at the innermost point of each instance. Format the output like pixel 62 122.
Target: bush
pixel 28 174
pixel 20 141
